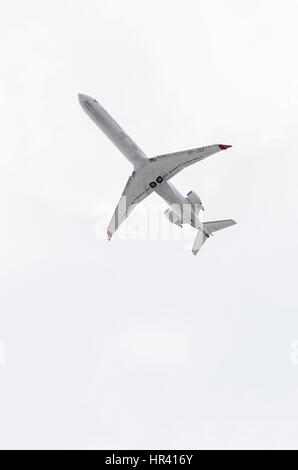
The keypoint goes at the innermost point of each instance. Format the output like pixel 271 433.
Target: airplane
pixel 153 175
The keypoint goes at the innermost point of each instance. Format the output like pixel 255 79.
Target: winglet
pixel 109 235
pixel 224 147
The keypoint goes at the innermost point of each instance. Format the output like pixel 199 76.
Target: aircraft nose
pixel 83 98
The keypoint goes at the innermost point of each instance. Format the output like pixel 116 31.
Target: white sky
pixel 139 344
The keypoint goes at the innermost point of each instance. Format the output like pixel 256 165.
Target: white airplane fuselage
pixel 137 157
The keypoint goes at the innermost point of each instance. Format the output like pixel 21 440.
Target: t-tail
pixel 208 229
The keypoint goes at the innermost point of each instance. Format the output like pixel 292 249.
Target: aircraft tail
pixel 208 229
pixel 199 241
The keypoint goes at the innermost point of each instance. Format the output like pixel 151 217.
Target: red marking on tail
pixel 109 235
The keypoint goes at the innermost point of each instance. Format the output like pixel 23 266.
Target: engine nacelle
pixel 194 199
pixel 173 217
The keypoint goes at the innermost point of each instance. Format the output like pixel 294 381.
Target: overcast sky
pixel 137 343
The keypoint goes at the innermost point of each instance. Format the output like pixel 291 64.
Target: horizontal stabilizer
pixel 199 241
pixel 211 227
pixel 208 229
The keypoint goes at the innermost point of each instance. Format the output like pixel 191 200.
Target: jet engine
pixel 194 199
pixel 173 217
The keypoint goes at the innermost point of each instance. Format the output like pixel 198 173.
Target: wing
pixel 162 167
pixel 170 164
pixel 135 191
